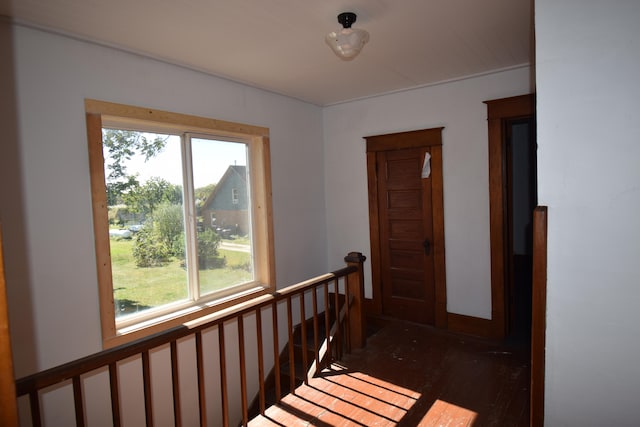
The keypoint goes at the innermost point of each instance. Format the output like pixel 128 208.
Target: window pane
pixel 220 175
pixel 143 175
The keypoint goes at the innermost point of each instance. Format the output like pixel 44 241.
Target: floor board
pixel 411 375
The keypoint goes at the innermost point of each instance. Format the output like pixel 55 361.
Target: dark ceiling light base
pixel 346 19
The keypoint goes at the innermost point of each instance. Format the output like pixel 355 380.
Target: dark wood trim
pixel 513 107
pixel 437 205
pixel 539 314
pixel 8 403
pixel 498 112
pixel 355 290
pixel 400 140
pixel 374 305
pixel 431 138
pixel 470 325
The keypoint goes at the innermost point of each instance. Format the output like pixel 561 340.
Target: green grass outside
pixel 240 240
pixel 138 288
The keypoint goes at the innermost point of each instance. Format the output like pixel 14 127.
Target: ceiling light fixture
pixel 347 42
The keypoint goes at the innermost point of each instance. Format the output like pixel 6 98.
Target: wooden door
pixel 406 236
pixel 407 226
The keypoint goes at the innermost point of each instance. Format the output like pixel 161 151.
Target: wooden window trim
pixel 98 112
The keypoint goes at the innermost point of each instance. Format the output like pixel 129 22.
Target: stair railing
pixel 326 292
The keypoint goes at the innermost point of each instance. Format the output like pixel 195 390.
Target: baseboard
pixel 458 323
pixel 470 325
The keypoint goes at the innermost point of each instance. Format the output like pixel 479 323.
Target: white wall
pixel 458 106
pixel 588 63
pixel 54 299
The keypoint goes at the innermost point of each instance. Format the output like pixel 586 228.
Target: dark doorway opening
pixel 521 161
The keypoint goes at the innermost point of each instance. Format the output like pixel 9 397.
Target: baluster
pixel 202 403
pixel 327 323
pixel 347 318
pixel 243 371
pixel 177 412
pixel 115 397
pixel 292 368
pixel 260 360
pixel 77 400
pixel 338 341
pixel 146 379
pixel 276 349
pixel 316 347
pixel 34 401
pixel 303 337
pixel 223 376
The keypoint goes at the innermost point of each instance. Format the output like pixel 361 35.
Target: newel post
pixel 355 282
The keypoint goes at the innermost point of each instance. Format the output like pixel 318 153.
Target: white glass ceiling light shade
pixel 347 42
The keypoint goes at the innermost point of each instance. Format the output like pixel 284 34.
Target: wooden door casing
pixel 498 112
pixel 396 237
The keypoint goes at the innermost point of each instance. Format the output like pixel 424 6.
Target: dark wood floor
pixel 411 375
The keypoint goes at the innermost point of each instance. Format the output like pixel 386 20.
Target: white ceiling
pixel 279 45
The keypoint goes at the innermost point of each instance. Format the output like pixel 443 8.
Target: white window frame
pixel 101 114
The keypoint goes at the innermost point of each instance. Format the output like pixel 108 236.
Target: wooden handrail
pixel 86 364
pixel 351 277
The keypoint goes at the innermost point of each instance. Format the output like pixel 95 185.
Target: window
pixel 170 191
